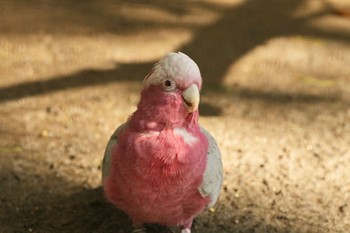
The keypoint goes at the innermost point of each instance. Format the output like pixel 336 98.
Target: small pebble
pixel 44 133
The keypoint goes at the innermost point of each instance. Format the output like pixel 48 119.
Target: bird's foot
pixel 139 229
pixel 186 230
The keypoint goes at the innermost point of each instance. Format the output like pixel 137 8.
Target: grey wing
pixel 106 162
pixel 212 179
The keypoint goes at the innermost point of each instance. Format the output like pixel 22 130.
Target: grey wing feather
pixel 106 162
pixel 212 179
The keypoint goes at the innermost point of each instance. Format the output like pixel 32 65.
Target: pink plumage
pixel 159 166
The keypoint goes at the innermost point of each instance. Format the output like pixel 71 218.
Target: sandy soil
pixel 276 98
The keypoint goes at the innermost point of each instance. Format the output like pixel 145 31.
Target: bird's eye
pixel 169 85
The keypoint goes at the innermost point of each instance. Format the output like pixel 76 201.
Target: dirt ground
pixel 276 97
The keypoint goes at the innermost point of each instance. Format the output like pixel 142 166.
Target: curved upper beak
pixel 191 98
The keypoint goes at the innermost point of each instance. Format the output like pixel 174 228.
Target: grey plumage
pixel 106 162
pixel 213 174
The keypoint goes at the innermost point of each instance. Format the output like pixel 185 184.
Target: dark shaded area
pixel 85 78
pixel 132 73
pixel 59 206
pixel 207 109
pixel 91 17
pixel 85 211
pixel 283 98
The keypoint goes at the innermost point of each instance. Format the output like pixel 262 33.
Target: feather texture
pixel 212 178
pixel 113 141
pixel 177 65
pixel 161 166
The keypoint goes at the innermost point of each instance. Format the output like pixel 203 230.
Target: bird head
pixel 177 74
pixel 171 89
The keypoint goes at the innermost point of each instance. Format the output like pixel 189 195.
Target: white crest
pixel 177 66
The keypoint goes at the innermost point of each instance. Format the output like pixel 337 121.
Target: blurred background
pixel 276 97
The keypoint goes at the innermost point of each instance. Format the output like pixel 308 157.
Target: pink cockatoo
pixel 161 166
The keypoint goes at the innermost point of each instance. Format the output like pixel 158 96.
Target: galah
pixel 160 166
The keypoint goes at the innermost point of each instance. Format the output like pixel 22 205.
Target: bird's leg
pixel 138 228
pixel 187 227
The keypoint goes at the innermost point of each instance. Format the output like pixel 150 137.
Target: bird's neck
pixel 154 113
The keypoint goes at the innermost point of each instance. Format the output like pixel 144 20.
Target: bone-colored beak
pixel 190 97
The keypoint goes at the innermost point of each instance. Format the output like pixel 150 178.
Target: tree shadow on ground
pixel 132 73
pixel 214 47
pixel 87 211
pixel 39 201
